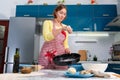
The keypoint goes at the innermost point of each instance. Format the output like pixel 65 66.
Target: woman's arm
pixel 67 50
pixel 47 30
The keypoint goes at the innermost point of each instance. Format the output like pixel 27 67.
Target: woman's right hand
pixel 67 50
pixel 67 28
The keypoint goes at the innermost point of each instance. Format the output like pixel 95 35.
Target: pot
pixel 66 59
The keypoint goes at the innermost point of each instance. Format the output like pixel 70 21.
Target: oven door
pixel 116 52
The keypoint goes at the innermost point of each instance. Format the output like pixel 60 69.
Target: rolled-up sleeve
pixel 47 30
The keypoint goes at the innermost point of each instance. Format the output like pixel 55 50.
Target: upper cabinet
pixel 103 14
pixel 27 10
pixel 46 11
pixel 105 10
pixel 79 17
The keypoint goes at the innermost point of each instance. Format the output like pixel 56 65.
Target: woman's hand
pixel 67 28
pixel 67 50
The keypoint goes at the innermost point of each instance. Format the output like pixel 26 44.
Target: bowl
pixel 26 70
pixel 101 67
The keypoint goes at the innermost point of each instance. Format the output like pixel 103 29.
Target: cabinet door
pixel 80 17
pixel 100 24
pixel 27 11
pixel 113 68
pixel 103 14
pixel 46 11
pixel 3 41
pixel 105 11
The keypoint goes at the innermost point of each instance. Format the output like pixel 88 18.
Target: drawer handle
pixel 26 15
pixel 105 14
pixel 106 28
pixel 116 68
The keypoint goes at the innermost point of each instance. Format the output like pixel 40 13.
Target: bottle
pixel 95 58
pixel 16 61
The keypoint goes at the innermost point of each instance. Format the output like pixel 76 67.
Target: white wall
pixel 7 8
pixel 117 37
pixel 118 7
pixel 100 48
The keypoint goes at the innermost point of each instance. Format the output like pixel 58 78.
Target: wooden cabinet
pixel 105 10
pixel 46 11
pixel 79 17
pixel 3 41
pixel 38 11
pixel 100 24
pixel 103 14
pixel 27 11
pixel 91 17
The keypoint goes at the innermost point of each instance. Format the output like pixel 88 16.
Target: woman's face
pixel 61 14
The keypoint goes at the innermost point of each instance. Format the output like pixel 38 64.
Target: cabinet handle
pixel 106 15
pixel 50 15
pixel 116 68
pixel 26 15
pixel 95 27
pixel 106 28
pixel 87 29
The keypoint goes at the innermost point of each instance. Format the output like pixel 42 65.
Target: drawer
pixel 113 68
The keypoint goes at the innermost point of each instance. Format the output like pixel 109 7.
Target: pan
pixel 66 59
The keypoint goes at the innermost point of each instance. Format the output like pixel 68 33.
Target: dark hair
pixel 58 8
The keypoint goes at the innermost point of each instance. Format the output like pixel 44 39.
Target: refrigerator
pixel 20 35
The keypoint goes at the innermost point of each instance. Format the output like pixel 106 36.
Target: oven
pixel 116 52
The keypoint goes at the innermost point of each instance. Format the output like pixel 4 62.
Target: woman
pixel 56 39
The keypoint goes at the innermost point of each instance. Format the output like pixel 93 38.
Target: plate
pixel 78 75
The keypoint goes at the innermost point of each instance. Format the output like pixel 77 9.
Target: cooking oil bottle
pixel 16 61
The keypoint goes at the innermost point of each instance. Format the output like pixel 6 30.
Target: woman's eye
pixel 63 13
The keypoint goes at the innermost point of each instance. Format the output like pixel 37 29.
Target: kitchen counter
pixel 109 62
pixel 49 75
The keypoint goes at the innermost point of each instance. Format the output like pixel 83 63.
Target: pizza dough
pixel 72 70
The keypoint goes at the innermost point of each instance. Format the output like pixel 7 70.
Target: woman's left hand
pixel 67 50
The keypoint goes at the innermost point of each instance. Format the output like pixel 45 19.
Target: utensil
pixel 66 59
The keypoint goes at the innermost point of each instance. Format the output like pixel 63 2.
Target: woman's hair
pixel 58 8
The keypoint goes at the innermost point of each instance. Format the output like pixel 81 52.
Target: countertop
pixel 50 75
pixel 110 62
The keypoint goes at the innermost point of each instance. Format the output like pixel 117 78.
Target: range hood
pixel 115 22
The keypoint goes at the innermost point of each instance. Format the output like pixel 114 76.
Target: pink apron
pixel 56 47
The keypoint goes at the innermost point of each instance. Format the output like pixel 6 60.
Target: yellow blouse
pixel 47 32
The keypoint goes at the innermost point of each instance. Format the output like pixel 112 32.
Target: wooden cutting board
pixel 83 54
pixel 117 75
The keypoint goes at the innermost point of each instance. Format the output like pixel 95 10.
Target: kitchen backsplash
pixel 95 46
pixel 100 47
